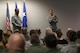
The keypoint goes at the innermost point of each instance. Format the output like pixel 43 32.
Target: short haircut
pixel 18 40
pixel 1 32
pixel 68 32
pixel 16 10
pixel 78 34
pixel 24 31
pixel 35 39
pixel 50 9
pixel 33 32
pixel 51 40
pixel 16 31
pixel 72 35
pixel 59 33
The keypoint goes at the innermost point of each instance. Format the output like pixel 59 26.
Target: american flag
pixel 7 18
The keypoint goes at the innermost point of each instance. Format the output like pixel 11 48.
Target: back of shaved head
pixel 16 42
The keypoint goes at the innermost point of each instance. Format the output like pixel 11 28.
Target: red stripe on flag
pixel 8 23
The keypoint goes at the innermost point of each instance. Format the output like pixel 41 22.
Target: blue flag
pixel 7 18
pixel 24 23
pixel 16 7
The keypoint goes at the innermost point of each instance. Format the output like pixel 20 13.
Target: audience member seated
pixel 78 51
pixel 35 48
pixel 16 43
pixel 48 30
pixel 6 34
pixel 59 37
pixel 51 43
pixel 16 31
pixel 33 31
pixel 1 42
pixel 28 43
pixel 39 33
pixel 72 45
pixel 25 33
pixel 78 37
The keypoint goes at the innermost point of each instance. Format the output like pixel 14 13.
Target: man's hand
pixel 19 26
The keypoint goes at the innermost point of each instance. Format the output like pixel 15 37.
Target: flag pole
pixel 16 7
pixel 6 1
pixel 23 0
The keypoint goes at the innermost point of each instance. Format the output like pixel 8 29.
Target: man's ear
pixel 46 44
pixel 68 39
pixel 7 46
pixel 30 41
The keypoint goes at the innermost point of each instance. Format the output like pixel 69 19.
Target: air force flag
pixel 24 23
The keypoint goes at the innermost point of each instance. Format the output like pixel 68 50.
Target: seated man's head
pixel 71 35
pixel 16 42
pixel 1 43
pixel 51 41
pixel 16 31
pixel 33 32
pixel 24 31
pixel 78 34
pixel 59 33
pixel 48 30
pixel 1 32
pixel 35 39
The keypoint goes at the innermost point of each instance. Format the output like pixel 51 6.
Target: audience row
pixel 53 42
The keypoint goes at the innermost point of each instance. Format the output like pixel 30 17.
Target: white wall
pixel 37 12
